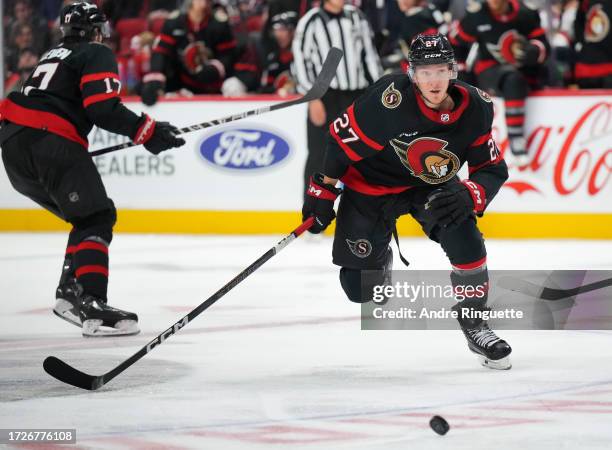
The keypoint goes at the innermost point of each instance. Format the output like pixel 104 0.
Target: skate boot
pixel 491 350
pixel 518 147
pixel 99 319
pixel 387 274
pixel 67 295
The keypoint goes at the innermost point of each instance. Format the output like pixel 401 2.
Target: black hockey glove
pixel 453 203
pixel 163 138
pixel 157 136
pixel 150 92
pixel 529 56
pixel 319 203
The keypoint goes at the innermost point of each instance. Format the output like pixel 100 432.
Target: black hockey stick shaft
pixel 548 293
pixel 69 375
pixel 318 89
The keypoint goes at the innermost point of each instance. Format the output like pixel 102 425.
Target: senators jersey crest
pixel 597 24
pixel 427 158
pixel 508 47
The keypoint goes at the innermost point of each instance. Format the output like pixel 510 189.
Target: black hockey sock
pixel 91 266
pixel 471 286
pixel 515 117
pixel 68 267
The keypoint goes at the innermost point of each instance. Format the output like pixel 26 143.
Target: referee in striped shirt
pixel 332 25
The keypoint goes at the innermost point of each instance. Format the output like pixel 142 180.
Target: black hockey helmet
pixel 81 19
pixel 287 19
pixel 428 49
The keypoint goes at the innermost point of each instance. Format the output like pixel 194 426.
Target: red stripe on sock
pixel 472 265
pixel 92 269
pixel 90 245
pixel 71 249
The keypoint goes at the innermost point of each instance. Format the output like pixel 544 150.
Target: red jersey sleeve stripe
pixel 481 140
pixel 465 36
pixel 97 76
pixel 89 245
pixel 91 269
pixel 226 45
pixel 375 145
pixel 98 98
pixel 536 33
pixel 353 156
pixel 167 39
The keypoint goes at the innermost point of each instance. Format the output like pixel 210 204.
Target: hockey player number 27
pixel 343 122
pixel 47 71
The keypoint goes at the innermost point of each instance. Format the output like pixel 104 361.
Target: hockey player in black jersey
pixel 593 44
pixel 195 50
pixel 512 48
pixel 398 149
pixel 44 149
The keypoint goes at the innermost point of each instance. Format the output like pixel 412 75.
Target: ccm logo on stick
pixel 244 149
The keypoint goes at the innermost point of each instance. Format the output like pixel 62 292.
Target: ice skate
pixel 67 295
pixel 67 301
pixel 518 148
pixel 492 351
pixel 99 319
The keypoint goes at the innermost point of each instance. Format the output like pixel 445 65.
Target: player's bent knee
pixel 360 290
pixel 99 224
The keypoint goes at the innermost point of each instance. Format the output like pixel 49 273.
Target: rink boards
pixel 246 177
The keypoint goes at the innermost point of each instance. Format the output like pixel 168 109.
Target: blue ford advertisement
pixel 244 148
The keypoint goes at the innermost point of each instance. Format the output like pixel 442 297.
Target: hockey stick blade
pixel 318 89
pixel 547 293
pixel 65 373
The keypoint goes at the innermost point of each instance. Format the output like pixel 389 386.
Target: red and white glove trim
pixel 542 48
pixel 322 192
pixel 478 195
pixel 145 131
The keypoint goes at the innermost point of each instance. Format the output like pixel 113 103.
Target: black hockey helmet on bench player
pixel 428 49
pixel 82 20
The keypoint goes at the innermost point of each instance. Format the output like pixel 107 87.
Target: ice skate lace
pixel 484 336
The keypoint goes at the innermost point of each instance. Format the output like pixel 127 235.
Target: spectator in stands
pixel 23 14
pixel 594 44
pixel 195 50
pixel 26 61
pixel 21 38
pixel 278 56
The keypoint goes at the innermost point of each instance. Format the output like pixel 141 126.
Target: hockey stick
pixel 547 293
pixel 69 375
pixel 318 89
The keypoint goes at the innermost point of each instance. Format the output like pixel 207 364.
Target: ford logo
pixel 244 149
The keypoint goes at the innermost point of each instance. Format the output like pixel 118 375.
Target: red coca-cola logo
pixel 580 154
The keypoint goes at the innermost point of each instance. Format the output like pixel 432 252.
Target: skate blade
pixel 94 328
pixel 65 310
pixel 499 364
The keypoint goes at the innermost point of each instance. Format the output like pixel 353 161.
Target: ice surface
pixel 280 361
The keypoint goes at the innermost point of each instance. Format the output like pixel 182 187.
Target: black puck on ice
pixel 439 425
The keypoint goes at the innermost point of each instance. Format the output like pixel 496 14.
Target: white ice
pixel 280 361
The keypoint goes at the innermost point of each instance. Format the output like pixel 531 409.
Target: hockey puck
pixel 439 425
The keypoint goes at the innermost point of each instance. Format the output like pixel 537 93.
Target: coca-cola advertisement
pixel 569 141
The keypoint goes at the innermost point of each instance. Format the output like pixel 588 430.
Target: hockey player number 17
pixel 343 122
pixel 47 71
